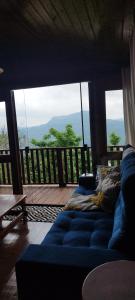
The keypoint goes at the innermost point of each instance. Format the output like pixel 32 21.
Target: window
pixel 40 109
pixel 115 117
pixel 4 143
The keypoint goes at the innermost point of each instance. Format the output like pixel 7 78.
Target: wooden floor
pixel 13 244
pixel 43 194
pixel 11 247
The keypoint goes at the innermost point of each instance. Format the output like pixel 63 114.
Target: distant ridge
pixel 60 122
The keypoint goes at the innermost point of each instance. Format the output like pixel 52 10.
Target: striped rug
pixel 38 213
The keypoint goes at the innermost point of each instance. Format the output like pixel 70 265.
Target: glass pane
pixel 4 143
pixel 115 118
pixel 40 109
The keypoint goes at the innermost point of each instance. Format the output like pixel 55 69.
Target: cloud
pixel 3 122
pixel 114 104
pixel 39 105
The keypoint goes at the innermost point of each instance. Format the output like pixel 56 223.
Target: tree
pixel 55 138
pixel 4 144
pixel 4 141
pixel 114 139
pixel 22 139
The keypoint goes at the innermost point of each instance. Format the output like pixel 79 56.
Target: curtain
pixel 128 78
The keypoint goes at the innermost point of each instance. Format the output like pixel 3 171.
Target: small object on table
pixel 111 281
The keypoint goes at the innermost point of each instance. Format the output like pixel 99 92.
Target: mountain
pixel 60 122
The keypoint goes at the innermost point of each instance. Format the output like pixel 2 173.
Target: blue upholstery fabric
pixel 52 272
pixel 123 237
pixel 81 229
pixel 117 240
pixel 83 190
pixel 77 243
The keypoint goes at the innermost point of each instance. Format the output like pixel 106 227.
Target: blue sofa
pixel 77 243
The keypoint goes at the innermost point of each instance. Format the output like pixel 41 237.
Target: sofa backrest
pixel 123 234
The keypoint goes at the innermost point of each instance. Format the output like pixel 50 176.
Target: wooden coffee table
pixel 7 203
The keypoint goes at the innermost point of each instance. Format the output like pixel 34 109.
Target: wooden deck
pixel 43 194
pixel 11 247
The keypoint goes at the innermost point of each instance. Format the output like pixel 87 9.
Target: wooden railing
pixel 52 165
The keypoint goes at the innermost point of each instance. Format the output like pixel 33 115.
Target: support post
pixel 13 141
pixel 97 122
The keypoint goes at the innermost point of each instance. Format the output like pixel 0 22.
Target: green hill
pixel 60 122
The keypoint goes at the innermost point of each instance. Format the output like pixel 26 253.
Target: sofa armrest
pixel 55 272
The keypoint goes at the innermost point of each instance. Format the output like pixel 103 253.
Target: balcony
pixel 47 166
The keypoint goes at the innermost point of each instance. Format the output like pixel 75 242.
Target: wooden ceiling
pixel 55 41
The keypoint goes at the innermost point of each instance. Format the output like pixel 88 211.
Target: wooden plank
pixel 68 24
pixel 112 156
pixel 22 165
pixel 7 202
pixel 20 20
pixel 38 165
pixel 92 9
pixel 88 167
pixel 43 164
pixel 27 165
pixel 72 15
pixel 45 194
pixel 83 160
pixel 8 169
pixel 76 163
pixel 50 20
pixel 53 155
pixel 5 158
pixel 84 19
pixel 54 15
pixel 10 249
pixel 3 173
pixel 60 167
pixel 4 231
pixel 32 164
pixel 48 165
pixel 66 165
pixel 71 165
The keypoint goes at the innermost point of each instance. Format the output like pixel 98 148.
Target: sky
pixel 37 106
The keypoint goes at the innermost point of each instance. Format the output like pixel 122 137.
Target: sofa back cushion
pixel 109 187
pixel 123 234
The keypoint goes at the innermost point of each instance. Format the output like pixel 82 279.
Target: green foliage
pixel 4 145
pixel 114 139
pixel 4 142
pixel 22 139
pixel 55 138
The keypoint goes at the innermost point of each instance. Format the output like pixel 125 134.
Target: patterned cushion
pixel 80 202
pixel 102 172
pixel 110 187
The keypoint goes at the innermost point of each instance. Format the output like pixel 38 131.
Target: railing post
pixel 60 168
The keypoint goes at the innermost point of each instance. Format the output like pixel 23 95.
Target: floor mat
pixel 38 213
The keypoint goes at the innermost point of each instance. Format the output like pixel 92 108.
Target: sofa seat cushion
pixel 81 229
